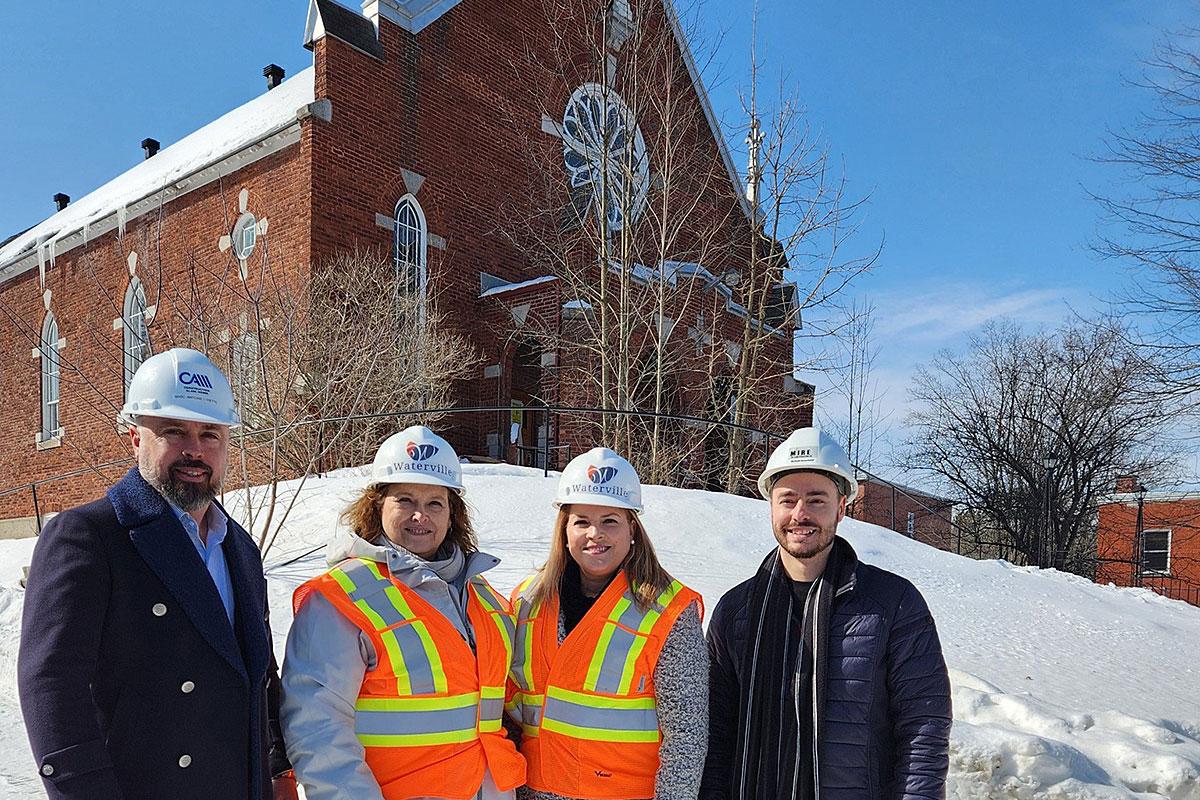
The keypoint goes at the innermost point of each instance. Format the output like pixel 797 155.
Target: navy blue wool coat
pixel 887 712
pixel 133 684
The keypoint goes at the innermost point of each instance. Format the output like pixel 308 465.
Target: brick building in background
pixel 1150 539
pixel 911 512
pixel 418 134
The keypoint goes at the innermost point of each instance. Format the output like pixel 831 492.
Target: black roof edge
pixel 350 26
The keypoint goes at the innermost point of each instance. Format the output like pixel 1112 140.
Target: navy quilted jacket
pixel 887 714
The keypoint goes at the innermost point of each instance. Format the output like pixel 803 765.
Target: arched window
pixel 136 331
pixel 410 248
pixel 50 378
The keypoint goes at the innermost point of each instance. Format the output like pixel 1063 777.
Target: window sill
pixel 51 443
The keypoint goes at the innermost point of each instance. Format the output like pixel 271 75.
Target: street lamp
pixel 1138 527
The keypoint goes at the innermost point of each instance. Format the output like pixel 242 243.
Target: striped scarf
pixel 763 765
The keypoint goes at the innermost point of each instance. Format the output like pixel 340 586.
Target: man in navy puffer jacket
pixel 827 678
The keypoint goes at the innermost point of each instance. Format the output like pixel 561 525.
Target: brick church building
pixel 558 188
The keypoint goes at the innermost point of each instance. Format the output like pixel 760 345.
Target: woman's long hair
pixel 641 566
pixel 365 517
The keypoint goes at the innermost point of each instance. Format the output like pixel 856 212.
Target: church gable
pixel 411 15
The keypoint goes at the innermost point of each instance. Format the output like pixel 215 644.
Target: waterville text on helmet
pixel 598 484
pixel 420 455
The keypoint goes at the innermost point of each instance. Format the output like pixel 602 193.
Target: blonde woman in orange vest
pixel 394 677
pixel 610 669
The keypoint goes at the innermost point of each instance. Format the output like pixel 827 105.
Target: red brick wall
pixel 1116 538
pixel 177 253
pixel 881 504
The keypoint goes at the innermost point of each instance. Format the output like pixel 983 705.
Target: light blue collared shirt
pixel 212 555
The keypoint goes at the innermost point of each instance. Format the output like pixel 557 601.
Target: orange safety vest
pixel 587 709
pixel 429 714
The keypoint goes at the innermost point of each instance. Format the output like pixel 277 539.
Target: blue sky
pixel 969 125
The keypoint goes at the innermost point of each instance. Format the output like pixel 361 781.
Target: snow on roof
pixel 242 126
pixel 509 287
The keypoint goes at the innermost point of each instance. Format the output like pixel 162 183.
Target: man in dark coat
pixel 146 670
pixel 826 674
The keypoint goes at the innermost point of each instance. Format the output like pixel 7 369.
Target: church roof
pixel 241 127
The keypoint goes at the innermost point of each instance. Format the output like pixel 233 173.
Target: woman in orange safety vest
pixel 610 666
pixel 395 673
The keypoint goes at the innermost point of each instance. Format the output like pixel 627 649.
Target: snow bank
pixel 1062 688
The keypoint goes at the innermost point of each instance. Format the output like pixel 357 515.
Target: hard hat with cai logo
pixel 417 455
pixel 180 384
pixel 810 450
pixel 600 477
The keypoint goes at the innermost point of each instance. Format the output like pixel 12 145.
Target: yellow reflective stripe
pixel 435 658
pixel 489 725
pixel 599 734
pixel 593 673
pixel 598 700
pixel 529 730
pixel 528 699
pixel 396 656
pixel 349 587
pixel 635 650
pixel 417 739
pixel 343 580
pixel 416 703
pixel 491 692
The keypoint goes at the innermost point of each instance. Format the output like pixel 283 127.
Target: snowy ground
pixel 1062 689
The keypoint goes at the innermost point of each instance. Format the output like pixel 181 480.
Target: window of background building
pixel 245 234
pixel 136 331
pixel 1156 551
pixel 50 378
pixel 410 246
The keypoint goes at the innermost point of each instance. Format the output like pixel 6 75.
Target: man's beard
pixel 814 546
pixel 184 495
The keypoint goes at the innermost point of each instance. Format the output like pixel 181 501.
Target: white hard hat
pixel 810 450
pixel 180 384
pixel 417 455
pixel 600 477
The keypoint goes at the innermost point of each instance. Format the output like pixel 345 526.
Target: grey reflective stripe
pixel 615 655
pixel 531 714
pixel 364 580
pixel 524 610
pixel 416 660
pixel 491 709
pixel 510 626
pixel 613 719
pixel 393 723
pixel 632 617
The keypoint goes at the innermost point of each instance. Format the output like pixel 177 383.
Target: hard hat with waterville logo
pixel 180 384
pixel 600 477
pixel 810 450
pixel 417 455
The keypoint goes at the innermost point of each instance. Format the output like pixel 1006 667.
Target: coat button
pixel 47 770
pixel 185 761
pixel 158 609
pixel 187 687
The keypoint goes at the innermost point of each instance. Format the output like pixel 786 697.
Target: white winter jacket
pixel 327 657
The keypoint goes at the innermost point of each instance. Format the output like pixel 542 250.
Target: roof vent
pixel 61 200
pixel 150 146
pixel 274 75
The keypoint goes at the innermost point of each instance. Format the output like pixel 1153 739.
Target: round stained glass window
pixel 605 156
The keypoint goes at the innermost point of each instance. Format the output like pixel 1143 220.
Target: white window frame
pixel 411 261
pixel 135 329
pixel 246 226
pixel 51 374
pixel 1146 570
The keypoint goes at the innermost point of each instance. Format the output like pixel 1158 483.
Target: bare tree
pixel 1030 431
pixel 855 416
pixel 1155 228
